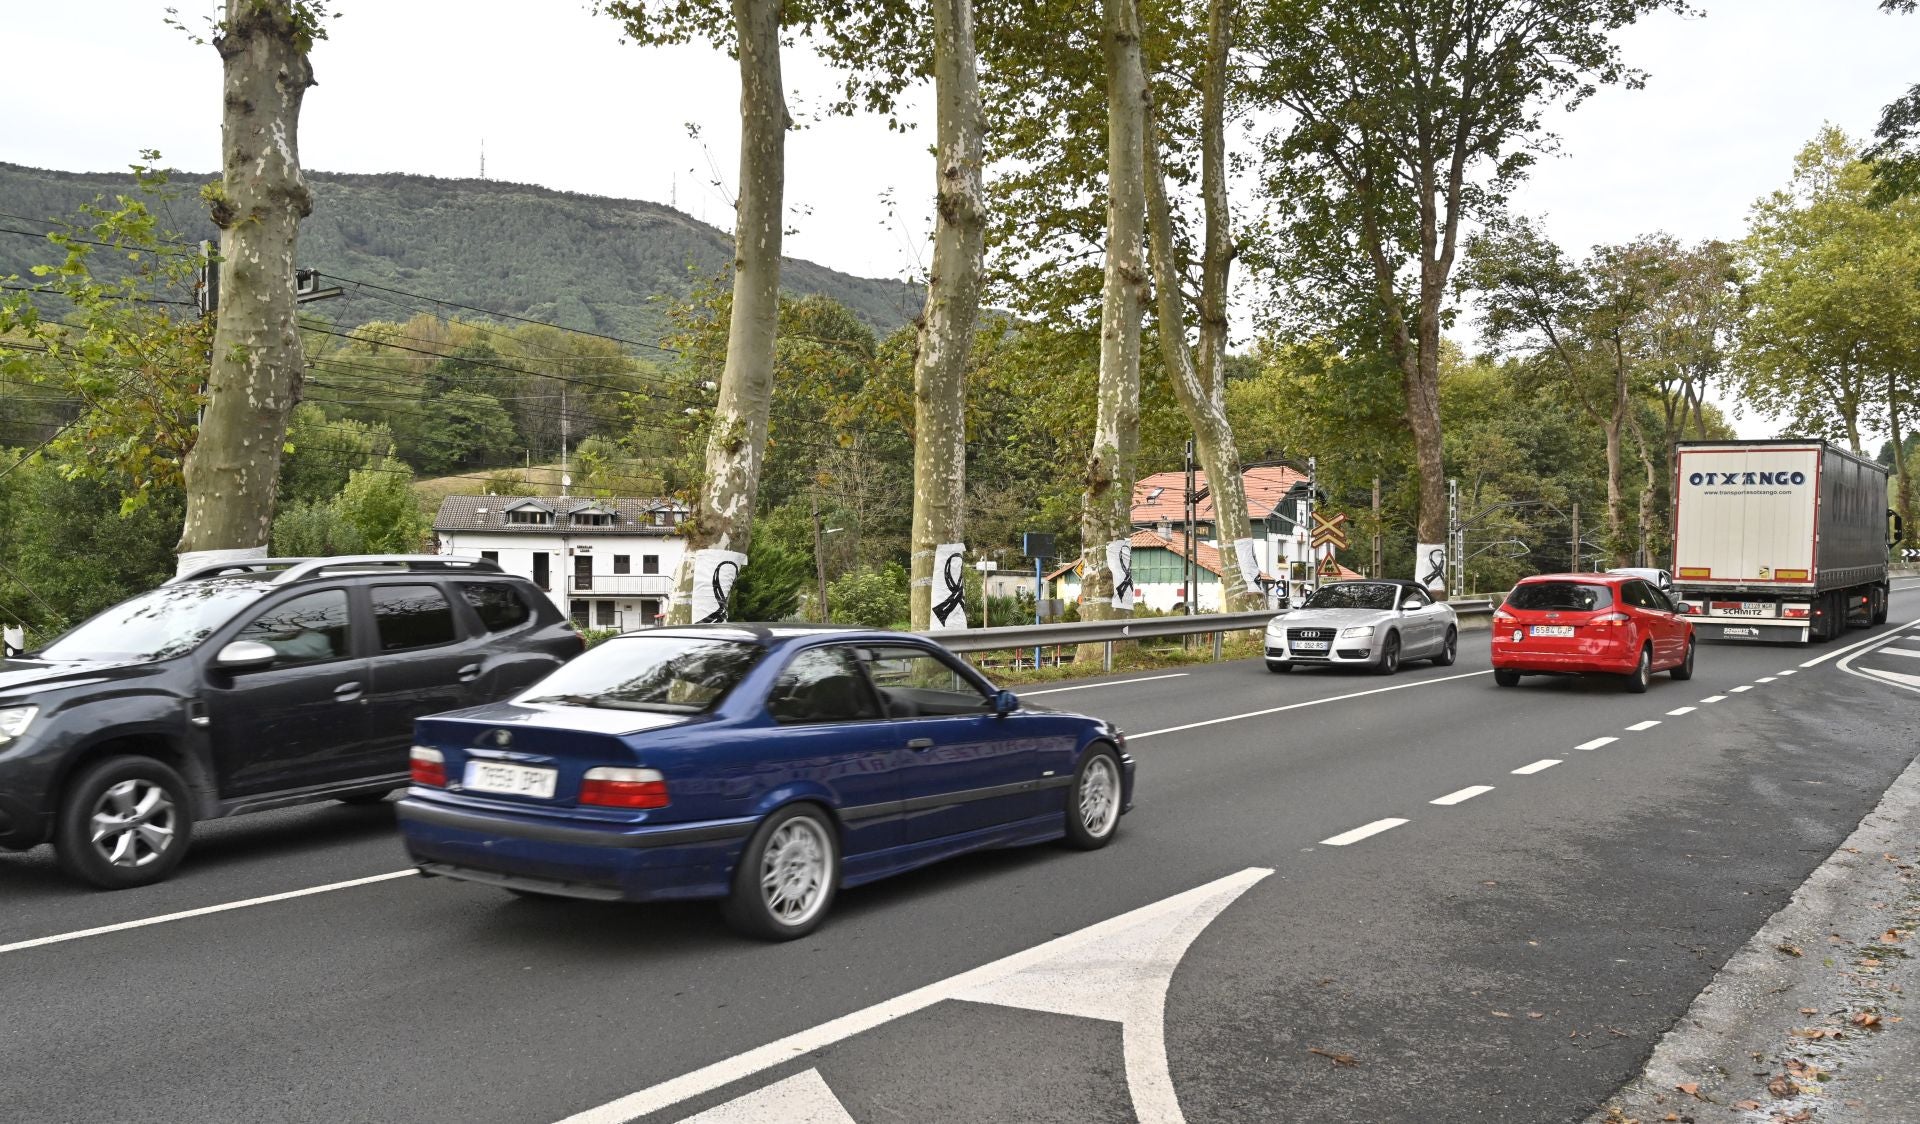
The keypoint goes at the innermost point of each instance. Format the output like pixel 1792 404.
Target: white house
pixel 605 563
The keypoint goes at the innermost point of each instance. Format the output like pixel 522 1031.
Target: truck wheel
pixel 124 822
pixel 1879 604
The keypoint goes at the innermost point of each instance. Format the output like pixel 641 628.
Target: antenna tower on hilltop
pixel 483 158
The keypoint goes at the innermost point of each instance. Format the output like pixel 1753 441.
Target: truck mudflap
pixel 1760 630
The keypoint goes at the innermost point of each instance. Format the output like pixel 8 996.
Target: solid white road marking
pixel 1463 795
pixel 1714 699
pixel 205 910
pixel 1887 635
pixel 801 1099
pixel 1682 710
pixel 1309 702
pixel 1895 652
pixel 1764 679
pixel 1115 683
pixel 1899 677
pixel 1896 678
pixel 1178 918
pixel 1743 687
pixel 1537 766
pixel 1596 743
pixel 1647 725
pixel 1362 832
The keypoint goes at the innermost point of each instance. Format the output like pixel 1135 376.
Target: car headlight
pixel 13 721
pixel 1356 631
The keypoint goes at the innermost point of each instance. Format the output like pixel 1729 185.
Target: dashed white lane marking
pixel 1138 953
pixel 1536 767
pixel 1596 743
pixel 205 910
pixel 1791 671
pixel 1647 725
pixel 1309 702
pixel 1894 652
pixel 1114 683
pixel 1363 831
pixel 1714 699
pixel 1681 710
pixel 1764 679
pixel 1464 795
pixel 1743 687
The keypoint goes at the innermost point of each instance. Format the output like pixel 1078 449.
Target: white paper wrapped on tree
pixel 948 599
pixel 1120 565
pixel 1249 565
pixel 1430 565
pixel 715 573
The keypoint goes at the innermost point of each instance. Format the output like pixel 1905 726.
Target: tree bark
pixel 1216 259
pixel 1106 507
pixel 1616 498
pixel 1212 434
pixel 953 301
pixel 1904 483
pixel 737 444
pixel 233 470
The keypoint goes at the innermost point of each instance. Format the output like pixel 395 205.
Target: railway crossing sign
pixel 1329 532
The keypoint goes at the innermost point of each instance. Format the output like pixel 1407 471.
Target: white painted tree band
pixel 715 572
pixel 1430 565
pixel 947 600
pixel 1249 565
pixel 196 559
pixel 1120 565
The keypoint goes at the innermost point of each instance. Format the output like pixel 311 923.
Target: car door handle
pixel 347 692
pixel 919 744
pixel 469 673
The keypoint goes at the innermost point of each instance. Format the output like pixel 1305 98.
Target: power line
pixel 499 315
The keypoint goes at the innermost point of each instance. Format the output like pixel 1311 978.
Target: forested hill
pixel 607 265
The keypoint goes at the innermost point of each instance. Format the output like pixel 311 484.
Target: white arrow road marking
pixel 1891 634
pixel 1894 652
pixel 1175 920
pixel 801 1099
pixel 1899 677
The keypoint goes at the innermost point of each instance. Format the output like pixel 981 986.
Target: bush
pixel 873 598
pixel 770 584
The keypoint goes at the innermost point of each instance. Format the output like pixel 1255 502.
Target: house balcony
pixel 621 585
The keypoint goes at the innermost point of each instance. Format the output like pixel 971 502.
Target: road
pixel 1510 955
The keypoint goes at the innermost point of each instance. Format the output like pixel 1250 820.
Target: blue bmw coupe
pixel 765 766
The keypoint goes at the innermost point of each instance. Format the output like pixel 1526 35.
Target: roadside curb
pixel 1806 1022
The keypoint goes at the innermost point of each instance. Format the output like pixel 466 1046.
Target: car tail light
pixel 1501 616
pixel 1799 612
pixel 1608 619
pixel 429 766
pixel 624 788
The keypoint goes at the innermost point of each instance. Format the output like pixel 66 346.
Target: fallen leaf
pixel 1748 1105
pixel 1337 1058
pixel 1500 1014
pixel 1536 1014
pixel 1791 950
pixel 1814 1032
pixel 1691 1089
pixel 1869 962
pixel 1835 938
pixel 1800 1117
pixel 1804 1070
pixel 1866 1019
pixel 1891 936
pixel 1671 1116
pixel 1809 1010
pixel 1781 1087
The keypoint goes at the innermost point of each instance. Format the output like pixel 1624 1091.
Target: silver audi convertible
pixel 1376 624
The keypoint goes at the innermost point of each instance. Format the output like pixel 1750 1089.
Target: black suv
pixel 247 686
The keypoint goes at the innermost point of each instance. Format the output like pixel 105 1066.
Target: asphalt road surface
pixel 1340 898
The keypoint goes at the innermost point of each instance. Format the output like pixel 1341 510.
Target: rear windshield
pixel 674 674
pixel 1571 597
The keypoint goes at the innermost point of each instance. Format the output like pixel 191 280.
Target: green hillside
pixel 605 265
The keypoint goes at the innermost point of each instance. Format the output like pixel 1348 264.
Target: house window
pixel 603 615
pixel 491 556
pixel 530 516
pixel 592 519
pixel 578 611
pixel 622 564
pixel 649 563
pixel 660 519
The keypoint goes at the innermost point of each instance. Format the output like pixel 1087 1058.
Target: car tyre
pixel 787 875
pixel 1683 671
pixel 1642 674
pixel 1093 809
pixel 124 822
pixel 1449 651
pixel 1279 668
pixel 1505 678
pixel 1389 661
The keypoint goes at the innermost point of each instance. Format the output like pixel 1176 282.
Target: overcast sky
pixel 419 85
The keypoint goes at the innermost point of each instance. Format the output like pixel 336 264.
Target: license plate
pixel 1310 645
pixel 1550 630
pixel 1742 608
pixel 510 780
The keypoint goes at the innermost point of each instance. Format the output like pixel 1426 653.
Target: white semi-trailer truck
pixel 1779 540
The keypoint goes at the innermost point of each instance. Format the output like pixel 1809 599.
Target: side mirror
pixel 1410 604
pixel 245 655
pixel 1005 703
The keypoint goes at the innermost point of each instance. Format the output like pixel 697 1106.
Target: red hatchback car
pixel 1587 624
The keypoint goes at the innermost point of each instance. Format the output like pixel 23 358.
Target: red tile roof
pixel 1205 554
pixel 1266 486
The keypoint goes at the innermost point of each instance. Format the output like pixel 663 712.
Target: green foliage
pixel 463 429
pixel 311 529
pixel 771 584
pixel 375 512
pixel 321 454
pixel 875 598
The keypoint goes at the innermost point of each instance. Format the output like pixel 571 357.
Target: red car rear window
pixel 1566 597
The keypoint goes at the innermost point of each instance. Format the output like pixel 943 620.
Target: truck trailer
pixel 1779 540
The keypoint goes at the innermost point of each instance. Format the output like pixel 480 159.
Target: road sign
pixel 1329 568
pixel 1328 531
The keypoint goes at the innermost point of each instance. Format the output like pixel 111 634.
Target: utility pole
pixel 1379 564
pixel 1576 538
pixel 1313 494
pixel 1188 570
pixel 820 560
pixel 1456 535
pixel 566 481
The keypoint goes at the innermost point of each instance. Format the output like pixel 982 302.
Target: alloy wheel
pixel 1099 796
pixel 133 823
pixel 794 870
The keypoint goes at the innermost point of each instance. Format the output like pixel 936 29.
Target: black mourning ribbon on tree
pixel 1123 588
pixel 956 589
pixel 1437 559
pixel 720 591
